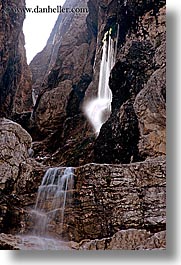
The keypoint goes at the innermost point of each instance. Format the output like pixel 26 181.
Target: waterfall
pixel 34 97
pixel 54 194
pixel 99 109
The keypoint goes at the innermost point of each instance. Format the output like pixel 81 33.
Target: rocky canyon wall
pixel 15 76
pixel 119 195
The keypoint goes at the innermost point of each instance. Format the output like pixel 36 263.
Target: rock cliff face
pixel 111 198
pixel 15 77
pixel 44 61
pixel 61 84
pixel 119 195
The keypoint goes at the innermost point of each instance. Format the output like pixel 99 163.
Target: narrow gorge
pixel 83 129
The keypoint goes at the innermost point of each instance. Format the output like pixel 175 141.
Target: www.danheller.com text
pixel 48 9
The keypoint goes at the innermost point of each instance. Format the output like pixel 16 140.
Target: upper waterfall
pixel 99 109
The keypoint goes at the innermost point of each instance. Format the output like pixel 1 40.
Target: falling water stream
pixel 54 194
pixel 99 109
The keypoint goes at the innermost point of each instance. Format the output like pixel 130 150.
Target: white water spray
pixel 99 109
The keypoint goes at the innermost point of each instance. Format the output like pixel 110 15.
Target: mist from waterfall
pixel 99 109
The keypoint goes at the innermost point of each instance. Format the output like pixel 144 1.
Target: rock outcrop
pixel 18 172
pixel 107 199
pixel 15 76
pixel 15 143
pixel 130 239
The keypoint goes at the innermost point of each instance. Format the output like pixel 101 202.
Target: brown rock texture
pixel 15 77
pixel 9 242
pixel 14 142
pixel 69 56
pixel 17 170
pixel 109 203
pixel 109 198
pixel 151 112
pixel 130 239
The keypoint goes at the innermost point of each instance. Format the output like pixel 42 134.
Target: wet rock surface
pixel 9 242
pixel 130 239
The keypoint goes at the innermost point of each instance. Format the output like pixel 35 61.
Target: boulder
pixel 17 174
pixel 15 143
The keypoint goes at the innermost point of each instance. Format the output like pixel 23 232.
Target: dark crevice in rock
pixel 118 139
pixel 10 210
pixel 155 228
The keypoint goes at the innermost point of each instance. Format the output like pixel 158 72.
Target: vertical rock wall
pixel 136 128
pixel 15 77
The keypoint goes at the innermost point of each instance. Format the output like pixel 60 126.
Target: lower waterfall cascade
pixel 99 109
pixel 54 194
